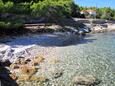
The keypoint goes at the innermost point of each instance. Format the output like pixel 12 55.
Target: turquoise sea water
pixel 94 55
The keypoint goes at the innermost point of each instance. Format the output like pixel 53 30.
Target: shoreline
pixel 54 67
pixel 31 39
pixel 102 31
pixel 25 46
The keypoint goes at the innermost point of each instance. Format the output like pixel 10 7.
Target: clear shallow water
pixel 95 55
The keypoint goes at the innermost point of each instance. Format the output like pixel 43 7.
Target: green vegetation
pixel 38 8
pixel 12 11
pixel 49 8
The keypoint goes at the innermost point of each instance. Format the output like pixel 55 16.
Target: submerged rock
pixel 23 78
pixel 56 73
pixel 87 80
pixel 37 60
pixel 54 60
pixel 28 69
pixel 42 79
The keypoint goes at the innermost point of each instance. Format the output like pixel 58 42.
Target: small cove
pixel 93 55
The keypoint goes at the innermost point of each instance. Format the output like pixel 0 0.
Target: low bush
pixel 10 24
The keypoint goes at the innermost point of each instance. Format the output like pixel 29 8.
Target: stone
pixel 87 80
pixel 37 60
pixel 13 76
pixel 42 79
pixel 23 77
pixel 54 61
pixel 35 64
pixel 20 83
pixel 56 73
pixel 28 69
pixel 38 78
pixel 33 78
pixel 27 61
pixel 14 66
pixel 20 60
pixel 17 71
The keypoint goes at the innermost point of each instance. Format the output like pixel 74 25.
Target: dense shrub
pixel 1 6
pixel 8 6
pixel 22 8
pixel 39 8
pixel 51 8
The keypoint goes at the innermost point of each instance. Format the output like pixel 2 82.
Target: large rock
pixel 87 80
pixel 10 53
pixel 29 70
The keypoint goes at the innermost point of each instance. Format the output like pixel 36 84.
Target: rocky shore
pixel 100 28
pixel 98 25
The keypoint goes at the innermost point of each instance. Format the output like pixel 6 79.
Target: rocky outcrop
pixel 77 30
pixel 11 54
pixel 99 28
